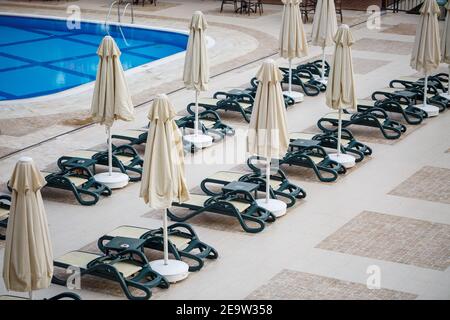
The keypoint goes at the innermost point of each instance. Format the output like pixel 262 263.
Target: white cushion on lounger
pixel 4 214
pixel 210 101
pixel 77 181
pixel 226 175
pixel 126 160
pixel 208 123
pixel 85 154
pixel 366 102
pixel 78 259
pixel 128 232
pixel 137 232
pixel 316 160
pixel 132 133
pixel 8 297
pixel 81 259
pixel 301 135
pixel 409 78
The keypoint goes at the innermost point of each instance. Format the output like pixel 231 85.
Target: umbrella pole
pixel 196 114
pixel 339 132
pixel 108 131
pixel 166 240
pixel 267 180
pixel 290 76
pixel 425 91
pixel 323 64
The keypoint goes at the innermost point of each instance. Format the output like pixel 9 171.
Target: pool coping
pixel 210 42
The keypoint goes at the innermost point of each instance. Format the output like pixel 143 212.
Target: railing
pixel 401 5
pixel 118 3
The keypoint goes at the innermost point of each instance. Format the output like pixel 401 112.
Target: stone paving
pixel 324 246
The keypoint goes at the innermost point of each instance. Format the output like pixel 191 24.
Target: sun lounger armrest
pixel 375 111
pixel 5 197
pixel 209 115
pixel 186 226
pixel 126 148
pixel 132 255
pixel 65 295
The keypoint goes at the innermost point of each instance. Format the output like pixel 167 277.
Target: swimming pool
pixel 41 56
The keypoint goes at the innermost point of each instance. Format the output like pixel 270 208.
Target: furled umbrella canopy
pixel 325 24
pixel 196 66
pixel 28 259
pixel 341 86
pixel 111 99
pixel 268 136
pixel 426 53
pixel 163 180
pixel 293 42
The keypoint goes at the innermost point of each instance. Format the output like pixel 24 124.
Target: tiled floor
pixel 294 285
pixel 429 183
pixel 383 46
pixel 393 238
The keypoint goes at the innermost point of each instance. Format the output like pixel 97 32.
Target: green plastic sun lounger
pixel 184 242
pixel 129 268
pixel 315 67
pixel 412 96
pixel 124 157
pixel 240 205
pixel 330 140
pixel 5 206
pixel 280 186
pixel 223 104
pixel 313 157
pixel 132 136
pixel 374 117
pixel 305 79
pixel 80 182
pixel 410 113
pixel 417 82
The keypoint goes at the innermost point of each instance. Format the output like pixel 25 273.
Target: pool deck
pixel 392 211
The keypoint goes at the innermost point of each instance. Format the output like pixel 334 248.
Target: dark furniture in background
pixel 308 7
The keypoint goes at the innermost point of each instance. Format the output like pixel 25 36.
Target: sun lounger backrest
pixel 128 232
pixel 226 176
pixel 4 214
pixel 78 259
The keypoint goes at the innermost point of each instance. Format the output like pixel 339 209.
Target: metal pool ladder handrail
pixel 119 2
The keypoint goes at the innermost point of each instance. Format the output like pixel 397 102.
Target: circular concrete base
pixel 432 111
pixel 114 180
pixel 346 160
pixel 198 140
pixel 173 271
pixel 277 207
pixel 297 96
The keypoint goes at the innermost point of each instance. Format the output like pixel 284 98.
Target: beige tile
pixel 384 46
pixel 429 183
pixel 294 285
pixel 393 238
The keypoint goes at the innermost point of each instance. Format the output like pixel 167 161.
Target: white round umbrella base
pixel 445 95
pixel 277 207
pixel 114 180
pixel 432 111
pixel 297 96
pixel 173 271
pixel 346 160
pixel 198 140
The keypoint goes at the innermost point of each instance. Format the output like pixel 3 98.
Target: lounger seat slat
pixel 301 135
pixel 85 154
pixel 345 117
pixel 210 101
pixel 4 214
pixel 77 181
pixel 126 269
pixel 179 242
pixel 124 159
pixel 226 176
pixel 78 259
pixel 316 160
pixel 241 206
pixel 128 232
pixel 208 123
pixel 130 133
pixel 366 102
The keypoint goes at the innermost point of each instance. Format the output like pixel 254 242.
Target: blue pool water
pixel 43 56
